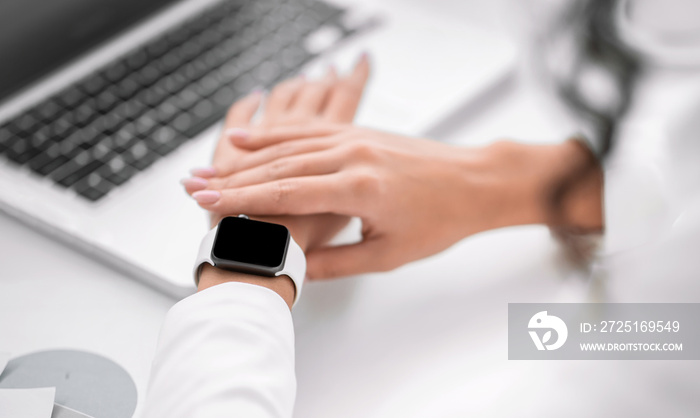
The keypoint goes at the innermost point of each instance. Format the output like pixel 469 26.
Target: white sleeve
pixel 225 351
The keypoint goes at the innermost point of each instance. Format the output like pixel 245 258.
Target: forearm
pixel 558 185
pixel 225 351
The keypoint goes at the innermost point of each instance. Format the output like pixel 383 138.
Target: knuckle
pixel 362 150
pixel 277 168
pixel 282 190
pixel 366 183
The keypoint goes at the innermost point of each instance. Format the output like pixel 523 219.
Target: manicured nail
pixel 203 172
pixel 195 183
pixel 206 197
pixel 237 133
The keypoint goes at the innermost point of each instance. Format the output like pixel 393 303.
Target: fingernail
pixel 195 183
pixel 206 196
pixel 364 56
pixel 237 133
pixel 203 172
pixel 257 91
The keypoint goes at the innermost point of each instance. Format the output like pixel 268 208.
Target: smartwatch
pixel 254 247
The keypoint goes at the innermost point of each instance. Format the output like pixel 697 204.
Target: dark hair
pixel 598 44
pixel 590 27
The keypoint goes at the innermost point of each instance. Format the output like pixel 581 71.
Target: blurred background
pixel 429 339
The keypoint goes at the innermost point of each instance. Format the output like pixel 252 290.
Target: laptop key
pixel 158 47
pixel 204 109
pixel 75 169
pixel 80 172
pixel 71 97
pixel 117 171
pixel 94 84
pixel 164 140
pixel 43 164
pixel 187 98
pixel 116 72
pixel 106 101
pixel 93 187
pixel 137 59
pixel 166 112
pixel 21 150
pixel 127 88
pixel 41 139
pixel 183 122
pixel 49 160
pixel 147 76
pixel 125 138
pixel 49 110
pixel 85 113
pixel 139 156
pixel 27 122
pixel 5 138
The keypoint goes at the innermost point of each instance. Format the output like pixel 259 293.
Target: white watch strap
pixel 294 261
pixel 294 266
pixel 204 254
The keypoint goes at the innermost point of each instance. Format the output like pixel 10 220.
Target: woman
pixel 302 164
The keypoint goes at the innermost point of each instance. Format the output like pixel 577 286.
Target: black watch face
pixel 251 242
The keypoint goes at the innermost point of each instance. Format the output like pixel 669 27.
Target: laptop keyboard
pixel 96 134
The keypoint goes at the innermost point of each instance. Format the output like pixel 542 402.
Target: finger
pixel 280 99
pixel 260 137
pixel 195 184
pixel 239 115
pixel 310 100
pixel 345 96
pixel 313 164
pixel 243 110
pixel 345 260
pixel 277 151
pixel 296 196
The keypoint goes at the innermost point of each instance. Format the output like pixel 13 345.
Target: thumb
pixel 345 260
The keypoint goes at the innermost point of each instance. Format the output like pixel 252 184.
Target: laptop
pixel 106 105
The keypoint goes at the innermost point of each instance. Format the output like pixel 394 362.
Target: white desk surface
pixel 54 297
pixel 414 342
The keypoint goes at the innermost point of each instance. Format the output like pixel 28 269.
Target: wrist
pixel 282 285
pixel 574 201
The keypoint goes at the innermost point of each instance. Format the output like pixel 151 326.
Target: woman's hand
pixel 295 102
pixel 415 197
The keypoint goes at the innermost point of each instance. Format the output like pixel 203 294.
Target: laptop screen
pixel 37 36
